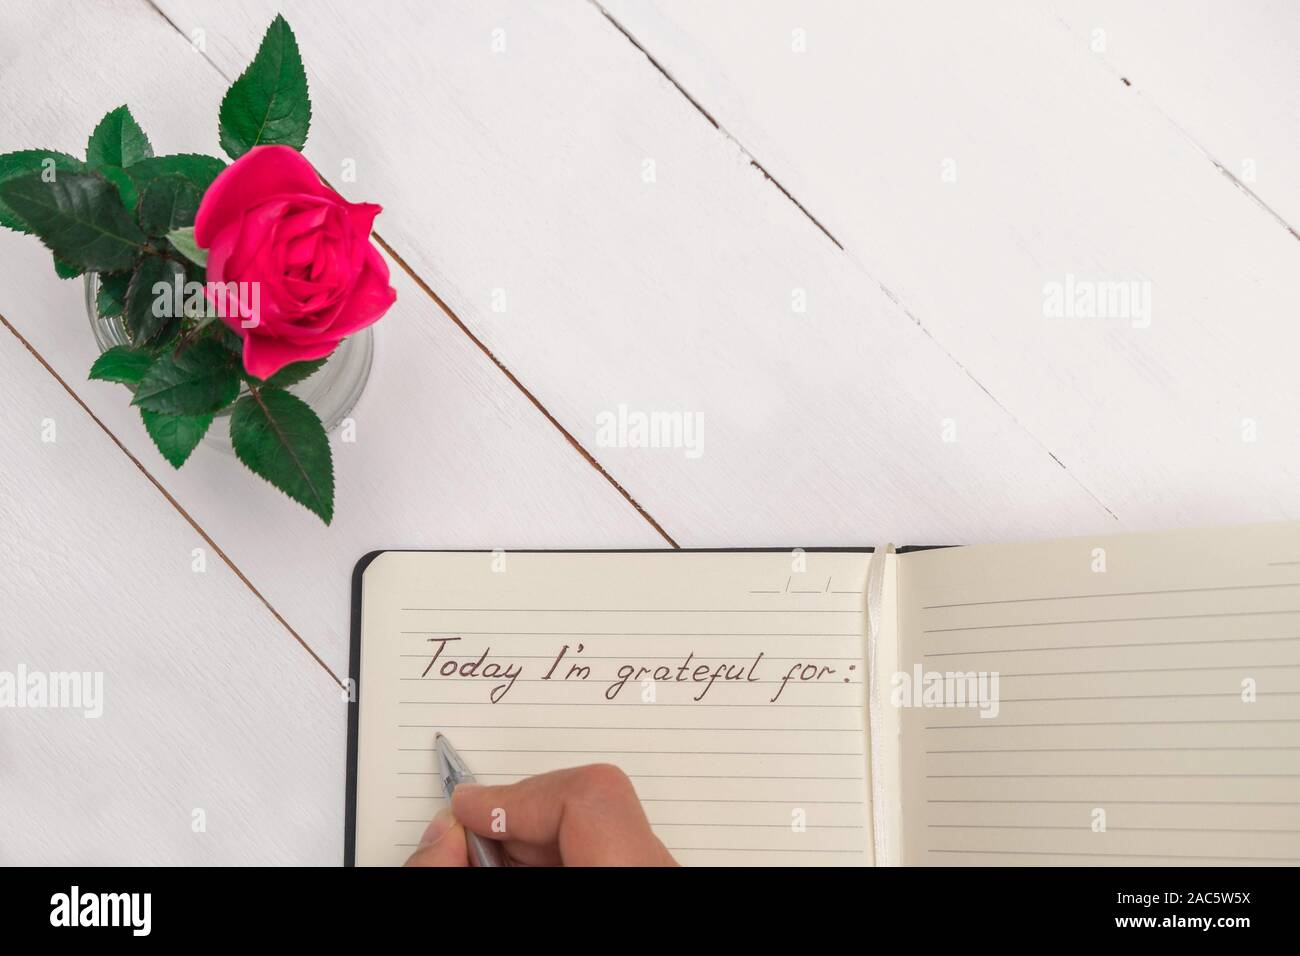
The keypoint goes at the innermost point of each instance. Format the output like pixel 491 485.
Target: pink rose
pixel 271 226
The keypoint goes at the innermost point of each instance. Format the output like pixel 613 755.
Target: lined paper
pixel 1126 665
pixel 727 775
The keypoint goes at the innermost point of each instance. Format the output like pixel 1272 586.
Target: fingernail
pixel 438 827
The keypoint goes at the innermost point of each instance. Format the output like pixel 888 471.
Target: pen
pixel 453 772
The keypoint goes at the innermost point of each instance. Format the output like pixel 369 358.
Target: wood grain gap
pixel 889 293
pixel 1227 173
pixel 1195 143
pixel 514 380
pixel 716 125
pixel 482 347
pixel 171 500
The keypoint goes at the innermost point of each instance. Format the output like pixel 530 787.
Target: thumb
pixel 443 843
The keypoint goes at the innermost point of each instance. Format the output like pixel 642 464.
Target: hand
pixel 586 816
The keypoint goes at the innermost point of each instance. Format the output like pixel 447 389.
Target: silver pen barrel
pixel 452 771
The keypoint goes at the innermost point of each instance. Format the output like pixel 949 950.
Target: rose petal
pixel 371 297
pixel 223 246
pixel 261 172
pixel 265 355
pixel 361 216
pixel 256 235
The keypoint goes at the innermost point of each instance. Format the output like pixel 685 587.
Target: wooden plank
pixel 207 705
pixel 615 249
pixel 1060 170
pixel 1225 74
pixel 447 453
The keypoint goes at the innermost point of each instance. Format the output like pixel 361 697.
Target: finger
pixel 590 814
pixel 443 843
pixel 532 854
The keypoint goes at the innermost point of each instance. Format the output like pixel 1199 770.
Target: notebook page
pixel 611 657
pixel 1149 700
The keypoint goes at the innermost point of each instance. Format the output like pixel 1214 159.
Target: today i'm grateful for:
pixel 567 665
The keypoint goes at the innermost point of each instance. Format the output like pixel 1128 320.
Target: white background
pixel 915 172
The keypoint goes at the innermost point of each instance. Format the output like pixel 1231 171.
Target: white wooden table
pixel 827 228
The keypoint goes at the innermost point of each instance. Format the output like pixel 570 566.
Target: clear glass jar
pixel 331 392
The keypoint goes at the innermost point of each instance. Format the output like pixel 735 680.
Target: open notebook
pixel 1121 700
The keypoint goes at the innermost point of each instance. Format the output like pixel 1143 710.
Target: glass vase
pixel 332 391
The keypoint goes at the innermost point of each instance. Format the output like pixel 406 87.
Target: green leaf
pixel 25 162
pixel 66 270
pixel 183 240
pixel 121 364
pixel 149 310
pixel 279 437
pixel 111 298
pixel 198 169
pixel 126 187
pixel 228 338
pixel 79 216
pixel 167 203
pixel 118 140
pixel 295 372
pixel 196 274
pixel 197 381
pixel 269 101
pixel 175 435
